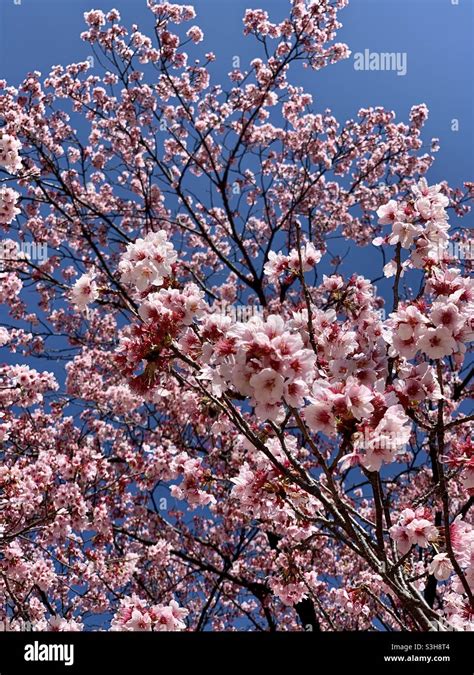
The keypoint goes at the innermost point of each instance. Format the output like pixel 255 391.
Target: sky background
pixel 435 35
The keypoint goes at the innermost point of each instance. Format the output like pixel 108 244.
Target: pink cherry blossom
pixel 437 342
pixel 84 291
pixel 441 567
pixel 387 213
pixel 8 205
pixel 412 529
pixel 318 417
pixel 9 153
pixel 148 260
pixel 267 386
pixel 204 424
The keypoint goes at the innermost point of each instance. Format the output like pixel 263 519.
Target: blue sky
pixel 435 35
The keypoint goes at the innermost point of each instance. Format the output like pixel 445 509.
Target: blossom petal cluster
pixel 279 264
pixel 148 261
pixel 135 615
pixel 10 158
pixel 84 292
pixel 413 529
pixel 8 205
pixel 260 359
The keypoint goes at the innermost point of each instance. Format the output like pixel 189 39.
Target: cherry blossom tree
pixel 174 468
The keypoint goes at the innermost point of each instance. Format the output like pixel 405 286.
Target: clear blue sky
pixel 436 36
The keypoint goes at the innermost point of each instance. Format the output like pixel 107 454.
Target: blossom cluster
pixel 148 261
pixel 376 444
pixel 261 359
pixel 316 21
pixel 178 306
pixel 413 528
pixel 135 615
pixel 22 385
pixel 9 153
pixel 164 312
pixel 457 609
pixel 279 264
pixel 8 205
pixel 442 328
pixel 420 222
pixel 84 291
